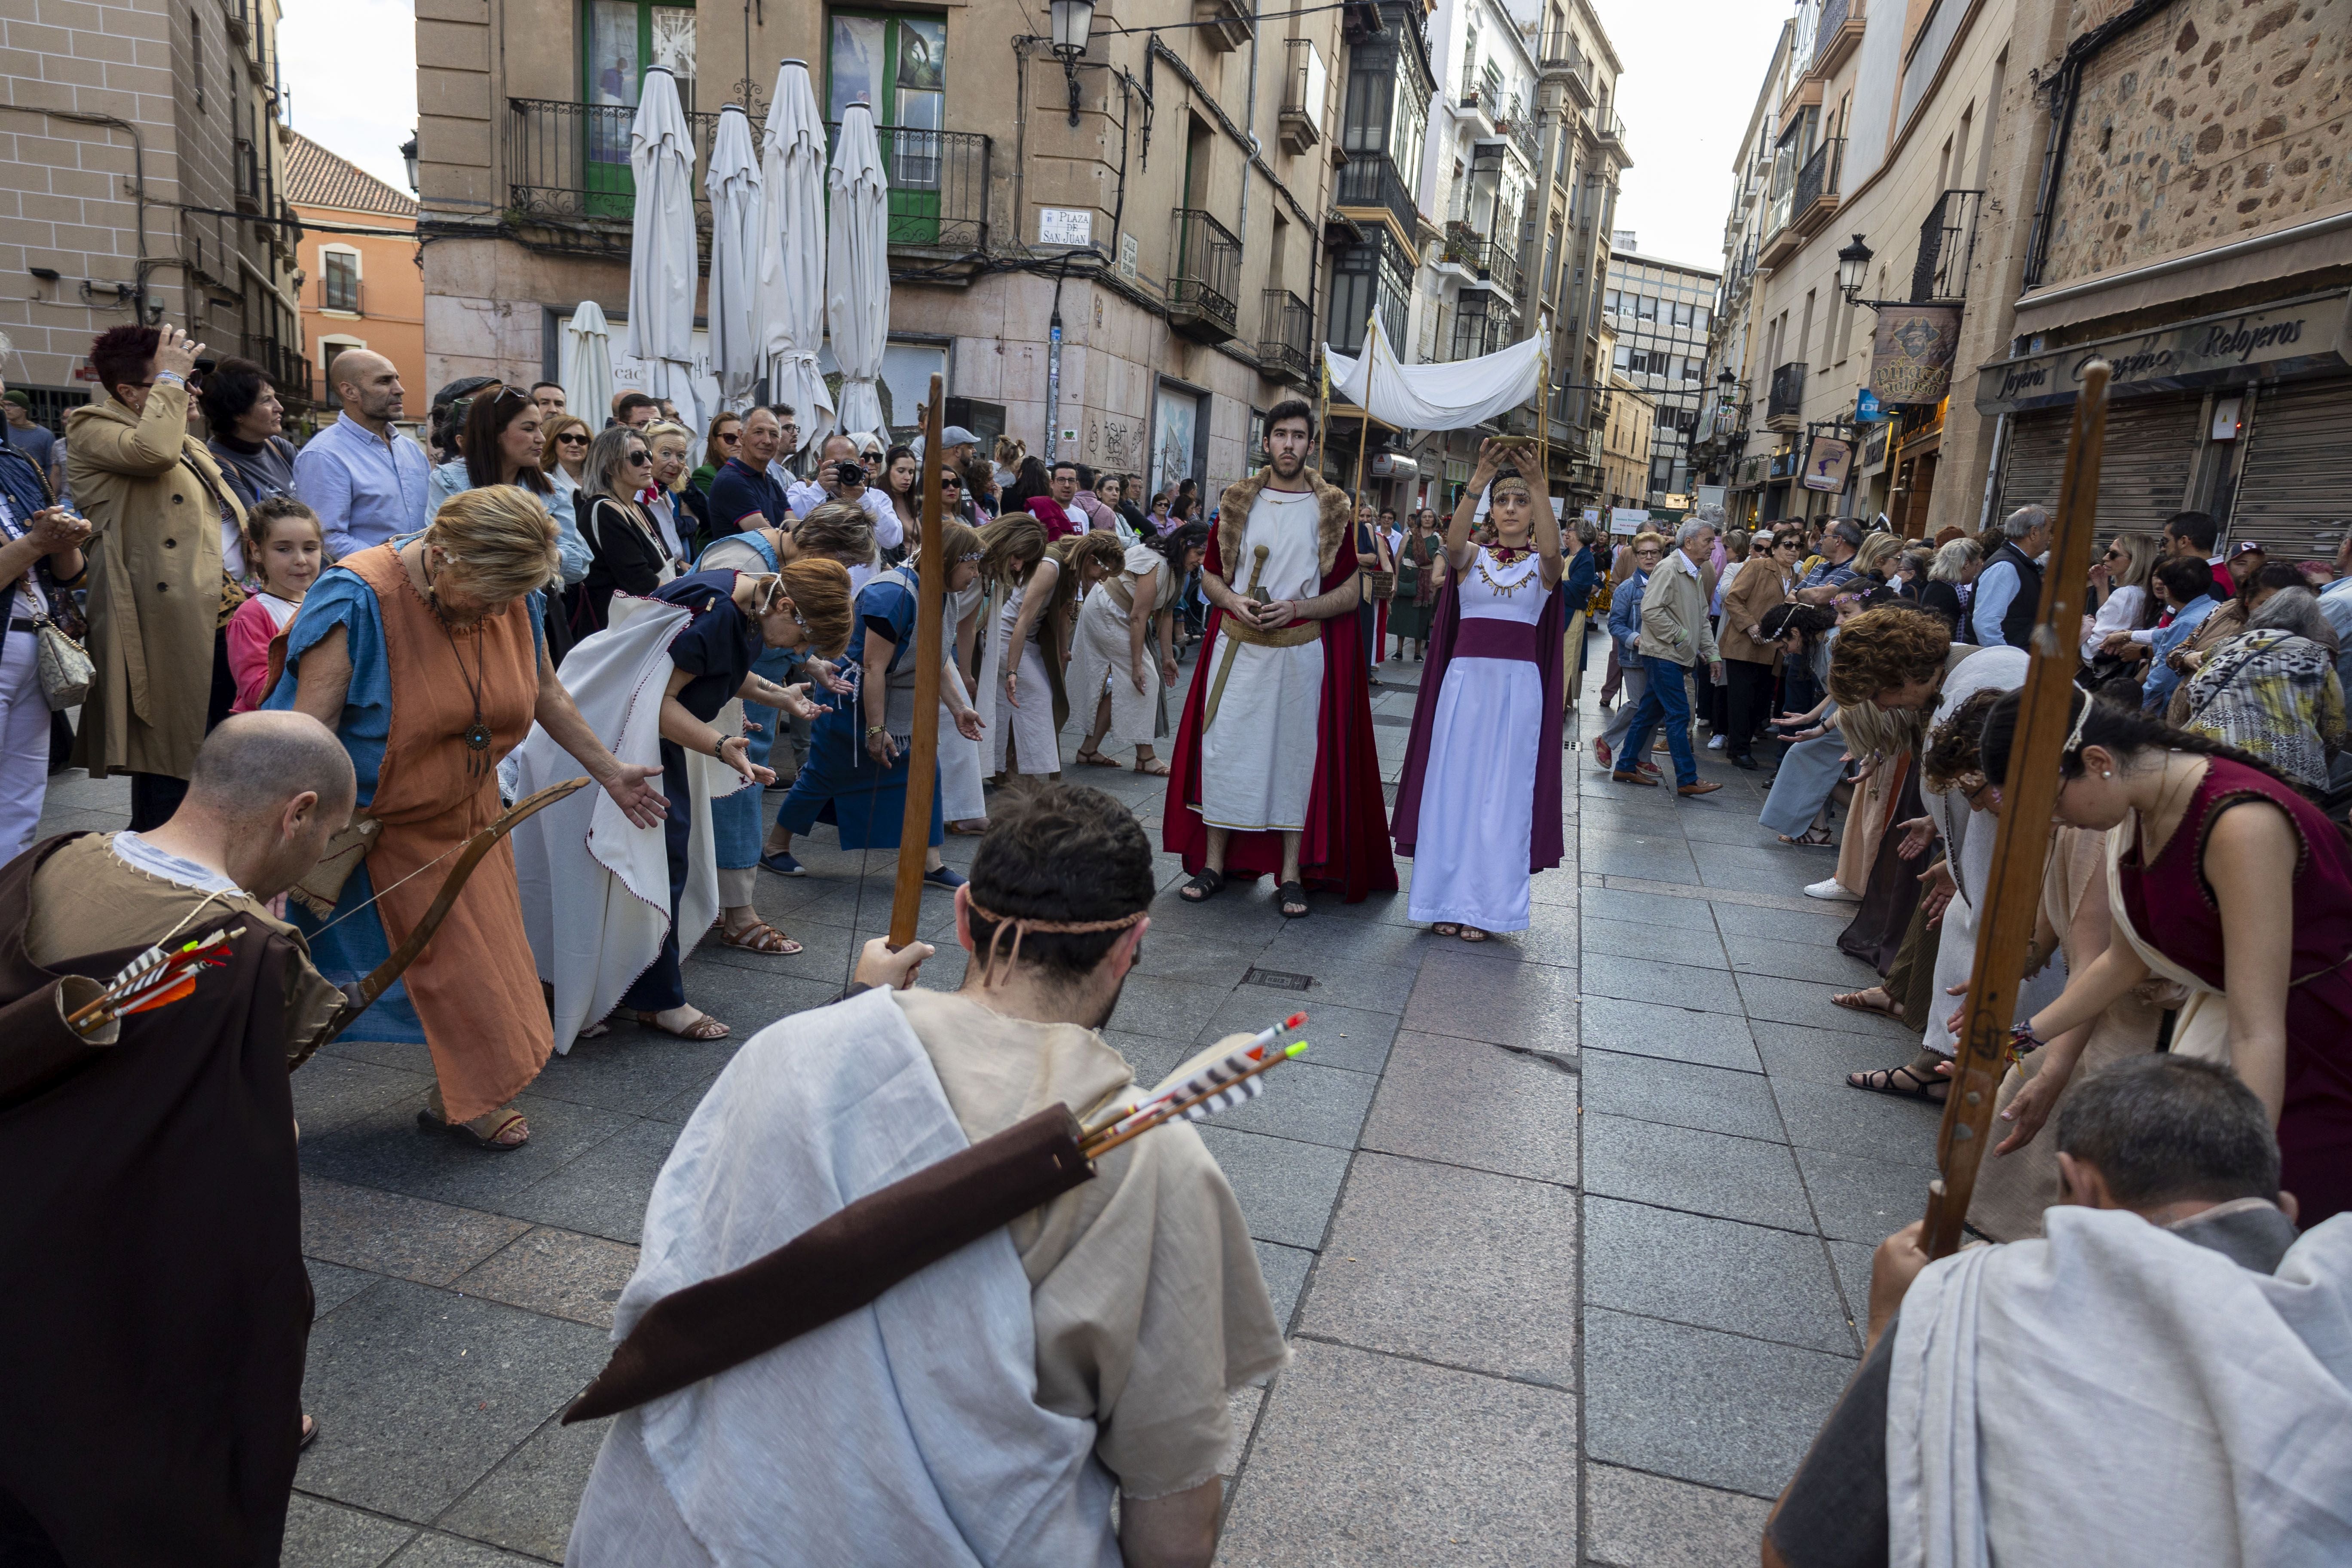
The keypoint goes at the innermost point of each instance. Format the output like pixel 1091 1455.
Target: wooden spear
pixel 930 648
pixel 2012 895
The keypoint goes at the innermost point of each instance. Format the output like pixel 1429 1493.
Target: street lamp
pixel 1854 269
pixel 1072 20
pixel 408 156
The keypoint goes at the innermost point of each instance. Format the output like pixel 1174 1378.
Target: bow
pixel 469 855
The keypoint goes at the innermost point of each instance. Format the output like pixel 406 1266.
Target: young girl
pixel 284 542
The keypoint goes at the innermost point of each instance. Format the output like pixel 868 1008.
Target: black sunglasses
pixel 725 436
pixel 571 436
pixel 637 460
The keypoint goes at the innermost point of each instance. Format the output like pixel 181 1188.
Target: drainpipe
pixel 1249 126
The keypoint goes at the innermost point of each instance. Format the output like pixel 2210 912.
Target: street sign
pixel 1065 225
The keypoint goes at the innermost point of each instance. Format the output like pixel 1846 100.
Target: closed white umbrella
pixel 790 279
pixel 858 270
pixel 662 260
pixel 585 364
pixel 733 182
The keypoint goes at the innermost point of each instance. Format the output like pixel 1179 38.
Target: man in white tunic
pixel 1276 741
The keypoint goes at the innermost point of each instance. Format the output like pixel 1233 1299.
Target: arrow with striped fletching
pixel 156 978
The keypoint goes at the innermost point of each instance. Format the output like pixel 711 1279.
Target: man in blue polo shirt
pixel 742 496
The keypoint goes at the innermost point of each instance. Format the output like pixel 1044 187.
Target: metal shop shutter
pixel 2034 458
pixel 2296 494
pixel 2151 450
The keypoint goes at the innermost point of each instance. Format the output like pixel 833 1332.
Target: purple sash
pixel 1491 636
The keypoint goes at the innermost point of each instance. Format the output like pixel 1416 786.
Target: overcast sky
pixel 350 73
pixel 1692 71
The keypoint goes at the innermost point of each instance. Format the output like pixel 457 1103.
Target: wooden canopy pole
pixel 930 650
pixel 2012 896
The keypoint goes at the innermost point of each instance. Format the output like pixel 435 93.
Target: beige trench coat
pixel 156 595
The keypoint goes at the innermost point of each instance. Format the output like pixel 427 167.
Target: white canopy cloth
pixel 586 364
pixel 789 278
pixel 1436 397
pixel 858 270
pixel 736 208
pixel 662 261
pixel 594 886
pixel 2114 1395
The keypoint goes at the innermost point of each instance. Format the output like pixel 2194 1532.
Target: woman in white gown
pixel 1478 807
pixel 1108 649
pixel 1032 648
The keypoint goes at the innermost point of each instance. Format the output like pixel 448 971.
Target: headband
pixel 1020 927
pixel 2075 736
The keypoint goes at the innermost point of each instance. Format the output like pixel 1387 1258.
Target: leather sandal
pixel 760 937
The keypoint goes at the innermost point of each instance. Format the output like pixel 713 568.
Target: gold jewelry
pixel 1505 589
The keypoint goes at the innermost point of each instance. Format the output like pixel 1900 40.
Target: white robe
pixel 1030 724
pixel 961 799
pixel 1257 756
pixel 1100 649
pixel 1477 797
pixel 594 886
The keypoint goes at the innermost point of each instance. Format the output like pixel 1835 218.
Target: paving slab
pixel 1699 1172
pixel 1863 1200
pixel 1821 963
pixel 1698 1405
pixel 528 1502
pixel 558 1272
pixel 1286 1188
pixel 387 1149
pixel 1378 1462
pixel 1464 1102
pixel 332 1284
pixel 1636 1521
pixel 1284 1269
pixel 1713 1273
pixel 1648 910
pixel 1677 1033
pixel 430 1550
pixel 1852 1121
pixel 1531 1007
pixel 1819 923
pixel 1464 1268
pixel 604 1192
pixel 321 1534
pixel 1657 977
pixel 390 1232
pixel 1355 1039
pixel 1808 1002
pixel 1306 1100
pixel 1650 1088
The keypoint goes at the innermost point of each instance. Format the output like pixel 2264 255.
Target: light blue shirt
pixel 1996 590
pixel 451 478
pixel 2162 677
pixel 365 487
pixel 1625 619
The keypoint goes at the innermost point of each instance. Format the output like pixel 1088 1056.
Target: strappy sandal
pixel 1286 895
pixel 1155 767
pixel 1095 760
pixel 1811 838
pixel 760 937
pixel 1206 885
pixel 705 1027
pixel 427 1122
pixel 310 1432
pixel 1852 1001
pixel 1902 1083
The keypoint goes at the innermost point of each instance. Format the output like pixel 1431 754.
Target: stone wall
pixel 2212 120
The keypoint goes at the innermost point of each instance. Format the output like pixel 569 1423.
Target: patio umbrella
pixel 791 276
pixel 858 270
pixel 585 364
pixel 733 182
pixel 662 251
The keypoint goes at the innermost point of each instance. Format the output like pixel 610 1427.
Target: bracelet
pixel 173 376
pixel 874 730
pixel 718 747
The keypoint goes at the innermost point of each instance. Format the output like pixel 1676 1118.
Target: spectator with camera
pixel 841 476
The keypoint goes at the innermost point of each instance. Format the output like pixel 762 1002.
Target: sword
pixel 1232 645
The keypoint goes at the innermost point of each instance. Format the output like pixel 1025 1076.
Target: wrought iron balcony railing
pixel 1285 350
pixel 1466 248
pixel 1788 395
pixel 1370 180
pixel 1204 276
pixel 1817 183
pixel 1948 240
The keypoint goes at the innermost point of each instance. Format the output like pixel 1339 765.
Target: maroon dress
pixel 2171 905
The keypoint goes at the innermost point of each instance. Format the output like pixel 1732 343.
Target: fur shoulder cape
pixel 1333 515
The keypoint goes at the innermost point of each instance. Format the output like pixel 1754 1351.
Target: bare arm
pixel 1175 1531
pixel 2250 854
pixel 1034 594
pixel 1144 590
pixel 325 679
pixel 560 717
pixel 681 728
pixel 2094 989
pixel 51 532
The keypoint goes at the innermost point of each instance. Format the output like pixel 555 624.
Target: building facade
pixel 1626 443
pixel 365 285
pixel 1662 313
pixel 142 158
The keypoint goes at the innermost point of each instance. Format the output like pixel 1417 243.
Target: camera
pixel 848 475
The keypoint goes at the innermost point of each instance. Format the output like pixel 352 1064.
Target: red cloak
pixel 1346 843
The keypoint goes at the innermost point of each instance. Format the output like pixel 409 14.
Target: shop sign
pixel 1911 352
pixel 1826 464
pixel 1867 409
pixel 1627 519
pixel 1874 447
pixel 1753 471
pixel 2294 337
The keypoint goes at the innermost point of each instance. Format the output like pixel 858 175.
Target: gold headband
pixel 1023 927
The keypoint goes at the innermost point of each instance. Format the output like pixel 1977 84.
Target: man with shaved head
pixel 152 1369
pixel 365 480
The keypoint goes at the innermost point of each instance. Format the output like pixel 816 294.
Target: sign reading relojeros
pixel 2297 335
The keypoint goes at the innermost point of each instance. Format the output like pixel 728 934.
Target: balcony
pixel 1489 262
pixel 568 169
pixel 1305 92
pixel 1204 276
pixel 1477 332
pixel 1285 351
pixel 1519 126
pixel 1563 62
pixel 1784 409
pixel 1225 24
pixel 1839 36
pixel 1816 198
pixel 1612 134
pixel 1371 181
pixel 1947 240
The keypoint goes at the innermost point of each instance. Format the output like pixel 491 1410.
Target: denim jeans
pixel 1667 702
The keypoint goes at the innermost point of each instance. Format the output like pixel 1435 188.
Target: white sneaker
pixel 1715 744
pixel 1832 891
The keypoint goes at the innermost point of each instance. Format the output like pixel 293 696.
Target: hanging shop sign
pixel 1873 445
pixel 2294 337
pixel 1911 352
pixel 1826 464
pixel 1753 471
pixel 1867 409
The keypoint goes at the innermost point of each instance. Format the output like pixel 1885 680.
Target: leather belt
pixel 1298 634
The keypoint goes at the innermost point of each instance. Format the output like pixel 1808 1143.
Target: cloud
pixel 350 79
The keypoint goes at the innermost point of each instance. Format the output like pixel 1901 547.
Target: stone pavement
pixel 1571 1230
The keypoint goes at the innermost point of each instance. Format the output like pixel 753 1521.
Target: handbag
pixel 63 664
pixel 321 887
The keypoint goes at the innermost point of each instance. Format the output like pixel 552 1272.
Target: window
pixel 896 65
pixel 1691 369
pixel 339 280
pixel 1624 357
pixel 196 57
pixel 1608 301
pixel 619 40
pixel 1645 309
pixel 1699 319
pixel 1682 313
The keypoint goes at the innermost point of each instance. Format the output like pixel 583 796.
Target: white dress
pixel 1258 757
pixel 961 799
pixel 1099 654
pixel 1030 726
pixel 1478 795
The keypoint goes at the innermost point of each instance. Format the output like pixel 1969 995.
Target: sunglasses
pixel 572 438
pixel 638 461
pixel 724 439
pixel 2112 555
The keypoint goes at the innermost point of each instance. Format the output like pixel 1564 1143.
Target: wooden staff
pixel 930 648
pixel 2012 895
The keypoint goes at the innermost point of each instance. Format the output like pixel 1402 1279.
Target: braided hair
pixel 2122 728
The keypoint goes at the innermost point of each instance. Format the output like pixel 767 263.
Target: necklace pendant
pixel 478 736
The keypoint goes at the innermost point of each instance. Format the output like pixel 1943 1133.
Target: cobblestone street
pixel 1571 1231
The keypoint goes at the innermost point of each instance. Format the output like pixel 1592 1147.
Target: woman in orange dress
pixel 426 656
